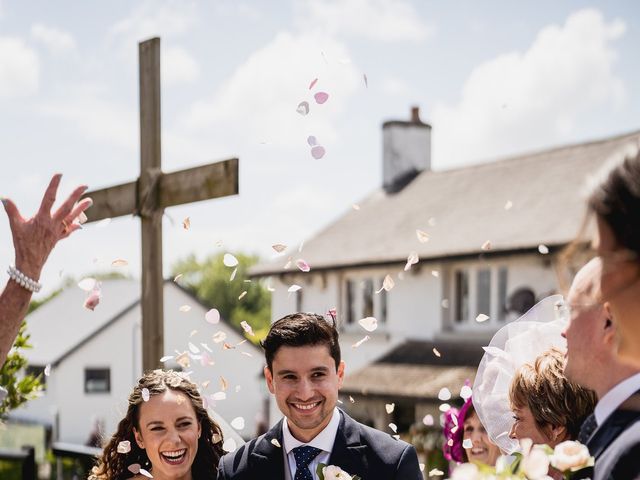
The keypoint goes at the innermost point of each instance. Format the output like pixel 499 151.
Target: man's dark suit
pixel 616 444
pixel 358 450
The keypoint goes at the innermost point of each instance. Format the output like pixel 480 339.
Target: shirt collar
pixel 324 440
pixel 611 400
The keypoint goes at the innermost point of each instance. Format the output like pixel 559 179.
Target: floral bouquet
pixel 332 472
pixel 532 463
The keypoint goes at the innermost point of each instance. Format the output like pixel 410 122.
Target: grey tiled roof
pixel 467 206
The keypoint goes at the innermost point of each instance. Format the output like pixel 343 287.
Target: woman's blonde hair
pixel 551 397
pixel 113 465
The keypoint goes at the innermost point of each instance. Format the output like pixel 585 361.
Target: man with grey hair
pixel 612 432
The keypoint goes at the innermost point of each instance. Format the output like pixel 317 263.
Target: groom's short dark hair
pixel 300 330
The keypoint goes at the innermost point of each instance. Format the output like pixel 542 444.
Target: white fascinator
pixel 515 344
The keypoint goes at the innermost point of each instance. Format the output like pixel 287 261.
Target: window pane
pixel 350 306
pixel 299 301
pixel 462 295
pixel 502 293
pixel 367 298
pixel 382 316
pixel 483 303
pixel 97 380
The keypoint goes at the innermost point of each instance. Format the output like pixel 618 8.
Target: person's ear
pixel 268 376
pixel 138 438
pixel 340 372
pixel 557 433
pixel 609 327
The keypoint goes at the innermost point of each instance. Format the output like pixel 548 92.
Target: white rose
pixel 571 455
pixel 331 472
pixel 466 471
pixel 535 465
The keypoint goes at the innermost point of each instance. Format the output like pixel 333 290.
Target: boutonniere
pixel 331 472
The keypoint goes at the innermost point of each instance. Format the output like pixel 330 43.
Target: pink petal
pixel 212 316
pixel 318 152
pixel 311 140
pixel 321 97
pixel 92 300
pixel 302 265
pixel 313 83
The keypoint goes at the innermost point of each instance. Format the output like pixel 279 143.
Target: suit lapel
pixel 618 421
pixel 348 453
pixel 268 458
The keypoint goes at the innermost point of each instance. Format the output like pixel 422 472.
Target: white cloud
pixel 19 68
pixel 154 18
pixel 258 102
pixel 178 66
pixel 54 39
pixel 395 86
pixel 519 101
pixel 96 117
pixel 385 20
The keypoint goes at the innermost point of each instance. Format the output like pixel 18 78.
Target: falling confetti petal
pixel 351 399
pixel 366 81
pixel 294 288
pixel 421 465
pixel 368 323
pixel 165 358
pixel 186 223
pixel 436 352
pixel 543 249
pixel 233 275
pixel 279 247
pixel 428 420
pixel 119 262
pixel 219 337
pixel 223 383
pixel 467 443
pixel 361 341
pixel 212 316
pixel 134 468
pixel 388 283
pixel 432 222
pixel 508 205
pixel 145 394
pixel 389 407
pixel 423 237
pixel 302 265
pixel 216 438
pixel 229 260
pixel 313 83
pixel 303 108
pixel 393 427
pixel 276 443
pixel 238 423
pixel 435 473
pixel 193 348
pixel 444 394
pixel 465 392
pixel 312 141
pixel 318 152
pixel 87 284
pixel 219 396
pixel 241 296
pixel 301 246
pixel 229 445
pixel 185 308
pixel 177 277
pixel 445 303
pixel 486 246
pixel 183 360
pixel 247 328
pixel 435 273
pixel 482 318
pixel 193 332
pixel 47 370
pixel 321 97
pixel 124 446
pixel 145 473
pixel 412 259
pixel 445 407
pixel 93 299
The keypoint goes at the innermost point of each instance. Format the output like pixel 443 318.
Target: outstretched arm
pixel 33 241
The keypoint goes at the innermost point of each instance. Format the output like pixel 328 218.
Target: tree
pixel 210 280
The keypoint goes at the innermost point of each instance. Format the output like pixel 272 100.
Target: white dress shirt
pixel 324 441
pixel 611 400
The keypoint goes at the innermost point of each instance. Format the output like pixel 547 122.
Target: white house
pixel 487 237
pixel 95 359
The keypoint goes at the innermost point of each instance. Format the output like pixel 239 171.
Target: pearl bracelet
pixel 22 280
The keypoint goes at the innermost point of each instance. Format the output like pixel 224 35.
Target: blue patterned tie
pixel 587 429
pixel 304 456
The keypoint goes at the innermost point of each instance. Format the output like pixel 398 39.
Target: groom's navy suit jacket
pixel 358 450
pixel 616 443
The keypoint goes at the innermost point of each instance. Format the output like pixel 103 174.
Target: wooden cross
pixel 152 193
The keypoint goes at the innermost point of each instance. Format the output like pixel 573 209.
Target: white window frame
pixel 358 304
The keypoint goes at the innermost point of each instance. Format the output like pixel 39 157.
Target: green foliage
pixel 20 387
pixel 210 281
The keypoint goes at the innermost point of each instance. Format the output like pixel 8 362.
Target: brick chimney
pixel 406 151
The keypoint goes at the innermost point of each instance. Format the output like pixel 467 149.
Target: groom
pixel 304 373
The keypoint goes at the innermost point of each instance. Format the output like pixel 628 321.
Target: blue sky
pixel 493 78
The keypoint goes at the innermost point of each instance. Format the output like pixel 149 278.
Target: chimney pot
pixel 415 114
